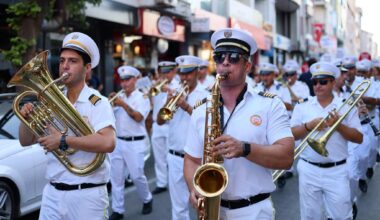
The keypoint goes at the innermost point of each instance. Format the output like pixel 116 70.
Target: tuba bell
pixel 52 107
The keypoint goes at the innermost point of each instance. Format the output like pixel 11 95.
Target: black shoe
pixel 378 158
pixel 147 208
pixel 363 186
pixel 281 182
pixel 369 173
pixel 116 216
pixel 354 211
pixel 288 175
pixel 128 181
pixel 158 190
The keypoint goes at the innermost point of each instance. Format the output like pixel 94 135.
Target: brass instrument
pixel 167 112
pixel 119 93
pixel 365 118
pixel 294 97
pixel 211 179
pixel 319 145
pixel 52 108
pixel 154 90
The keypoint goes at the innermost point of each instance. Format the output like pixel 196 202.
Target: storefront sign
pixel 200 24
pixel 165 25
pixel 281 42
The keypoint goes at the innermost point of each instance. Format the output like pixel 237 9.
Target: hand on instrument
pixel 333 117
pixel 52 141
pixel 194 198
pixel 182 103
pixel 228 147
pixel 311 124
pixel 26 109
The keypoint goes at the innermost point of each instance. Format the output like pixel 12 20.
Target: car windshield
pixel 9 123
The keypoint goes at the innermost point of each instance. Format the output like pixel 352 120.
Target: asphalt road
pixel 285 200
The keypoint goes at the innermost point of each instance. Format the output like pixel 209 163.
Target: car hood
pixel 10 147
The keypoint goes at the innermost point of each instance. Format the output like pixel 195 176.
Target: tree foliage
pixel 26 18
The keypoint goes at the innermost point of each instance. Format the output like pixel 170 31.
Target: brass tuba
pixel 319 145
pixel 167 112
pixel 52 108
pixel 211 179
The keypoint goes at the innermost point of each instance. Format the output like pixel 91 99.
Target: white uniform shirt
pixel 126 126
pixel 208 82
pixel 277 89
pixel 256 119
pixel 178 126
pixel 336 145
pixel 300 89
pixel 371 92
pixel 99 116
pixel 158 102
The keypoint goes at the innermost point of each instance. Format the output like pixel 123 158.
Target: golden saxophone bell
pixel 319 144
pixel 52 108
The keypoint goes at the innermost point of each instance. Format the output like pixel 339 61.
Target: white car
pixel 22 169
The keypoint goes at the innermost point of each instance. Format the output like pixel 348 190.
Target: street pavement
pixel 286 201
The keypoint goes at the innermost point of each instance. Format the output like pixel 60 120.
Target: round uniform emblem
pixel 256 120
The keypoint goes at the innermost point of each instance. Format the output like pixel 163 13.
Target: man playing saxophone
pixel 255 138
pixel 69 196
pixel 323 181
pixel 188 67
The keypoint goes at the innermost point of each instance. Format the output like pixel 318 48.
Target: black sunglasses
pixel 320 81
pixel 233 58
pixel 290 73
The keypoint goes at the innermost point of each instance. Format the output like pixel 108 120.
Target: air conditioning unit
pixel 166 3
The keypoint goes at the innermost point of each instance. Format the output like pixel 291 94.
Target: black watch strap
pixel 63 145
pixel 246 149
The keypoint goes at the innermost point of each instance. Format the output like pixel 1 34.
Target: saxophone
pixel 211 179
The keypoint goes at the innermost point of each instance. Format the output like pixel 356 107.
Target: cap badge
pixel 75 36
pixel 182 60
pixel 227 34
pixel 317 67
pixel 256 120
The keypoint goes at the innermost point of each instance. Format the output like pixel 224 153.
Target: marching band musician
pixel 166 70
pixel 188 67
pixel 300 89
pixel 69 196
pixel 204 79
pixel 131 109
pixel 324 180
pixel 268 84
pixel 256 133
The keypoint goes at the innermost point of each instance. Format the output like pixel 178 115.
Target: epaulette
pixel 302 100
pixel 267 94
pixel 94 99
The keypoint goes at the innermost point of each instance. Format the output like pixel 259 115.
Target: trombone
pixel 319 145
pixel 167 112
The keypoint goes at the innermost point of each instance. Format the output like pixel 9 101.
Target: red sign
pixel 318 31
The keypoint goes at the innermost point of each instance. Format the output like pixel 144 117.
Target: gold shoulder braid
pixel 94 99
pixel 302 100
pixel 267 94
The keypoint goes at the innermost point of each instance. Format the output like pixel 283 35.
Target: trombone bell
pixel 318 146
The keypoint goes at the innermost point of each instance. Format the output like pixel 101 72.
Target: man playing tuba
pixel 70 196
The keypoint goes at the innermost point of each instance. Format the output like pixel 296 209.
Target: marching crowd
pixel 262 121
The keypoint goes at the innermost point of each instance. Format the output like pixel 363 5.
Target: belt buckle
pixel 133 138
pixel 80 186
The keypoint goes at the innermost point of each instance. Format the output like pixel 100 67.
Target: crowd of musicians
pixel 260 122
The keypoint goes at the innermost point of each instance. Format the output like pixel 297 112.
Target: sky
pixel 371 18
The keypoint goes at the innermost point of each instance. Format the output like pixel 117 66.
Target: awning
pixel 256 32
pixel 215 22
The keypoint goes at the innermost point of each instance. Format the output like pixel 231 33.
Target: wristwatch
pixel 246 149
pixel 63 145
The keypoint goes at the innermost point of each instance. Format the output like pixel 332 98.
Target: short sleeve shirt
pixel 99 115
pixel 256 119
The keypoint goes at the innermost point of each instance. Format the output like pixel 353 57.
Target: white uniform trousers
pixel 179 193
pixel 363 151
pixel 90 203
pixel 324 186
pixel 160 152
pixel 374 144
pixel 353 165
pixel 259 211
pixel 131 154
